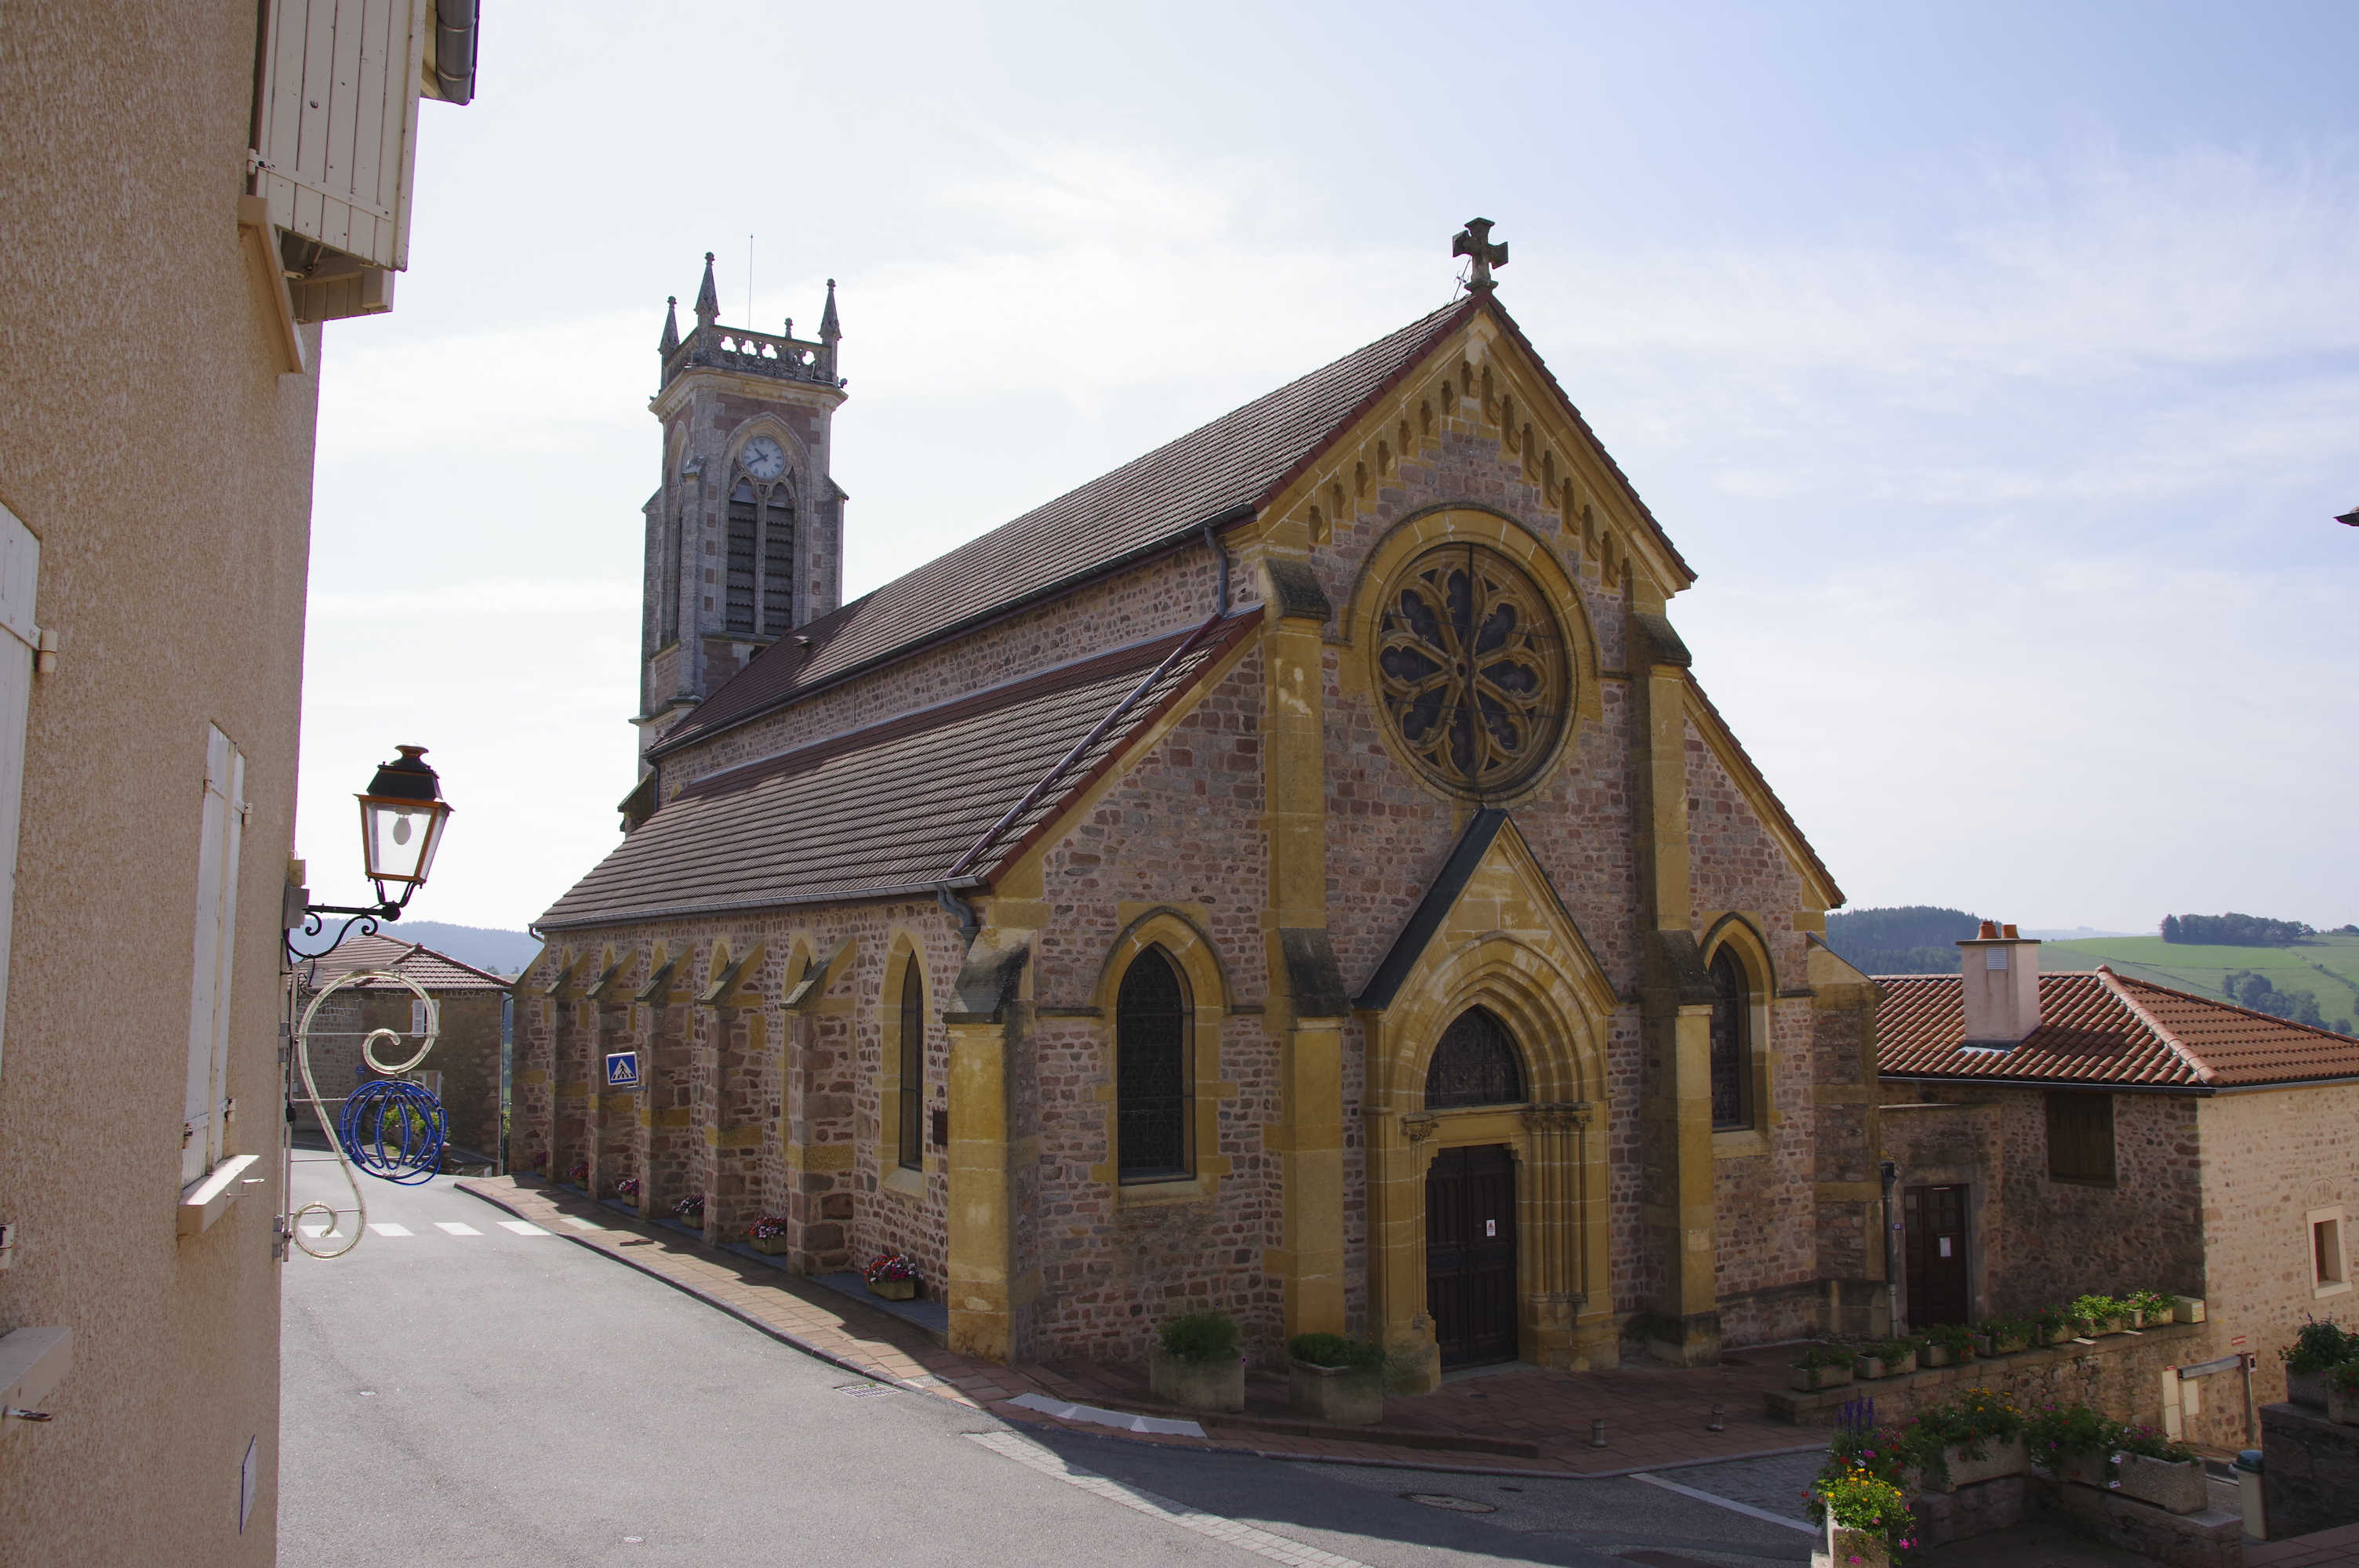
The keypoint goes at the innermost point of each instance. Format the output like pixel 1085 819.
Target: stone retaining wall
pixel 2120 1374
pixel 2310 1475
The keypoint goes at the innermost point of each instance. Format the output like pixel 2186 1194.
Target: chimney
pixel 2002 987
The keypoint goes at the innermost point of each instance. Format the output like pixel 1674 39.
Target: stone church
pixel 1298 874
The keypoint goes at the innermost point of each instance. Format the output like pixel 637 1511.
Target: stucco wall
pixel 150 442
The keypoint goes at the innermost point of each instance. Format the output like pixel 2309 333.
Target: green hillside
pixel 2324 967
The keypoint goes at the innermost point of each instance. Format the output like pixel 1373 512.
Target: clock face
pixel 762 459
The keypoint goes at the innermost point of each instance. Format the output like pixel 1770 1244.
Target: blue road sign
pixel 622 1069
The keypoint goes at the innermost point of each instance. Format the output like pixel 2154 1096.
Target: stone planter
pixel 2086 1467
pixel 2306 1389
pixel 2133 1318
pixel 2111 1324
pixel 1196 1385
pixel 2055 1336
pixel 2174 1488
pixel 2341 1408
pixel 1992 1345
pixel 893 1290
pixel 1343 1396
pixel 1857 1548
pixel 1873 1367
pixel 2186 1309
pixel 1809 1379
pixel 1942 1355
pixel 769 1246
pixel 1958 1467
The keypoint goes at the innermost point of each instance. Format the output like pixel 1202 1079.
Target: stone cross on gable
pixel 1474 239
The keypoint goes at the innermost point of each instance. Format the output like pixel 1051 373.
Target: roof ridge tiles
pixel 2270 1019
pixel 2202 1070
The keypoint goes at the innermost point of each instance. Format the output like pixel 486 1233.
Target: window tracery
pixel 1471 669
pixel 1476 1063
pixel 761 556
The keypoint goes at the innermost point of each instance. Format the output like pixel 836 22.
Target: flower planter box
pixel 1873 1367
pixel 1342 1396
pixel 1857 1548
pixel 2056 1335
pixel 2086 1467
pixel 1992 1345
pixel 769 1246
pixel 1809 1379
pixel 2174 1488
pixel 1942 1355
pixel 1196 1385
pixel 2306 1389
pixel 2133 1318
pixel 2000 1456
pixel 2110 1324
pixel 893 1290
pixel 2341 1408
pixel 2186 1309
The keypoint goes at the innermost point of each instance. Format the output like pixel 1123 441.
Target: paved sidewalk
pixel 2327 1549
pixel 1520 1419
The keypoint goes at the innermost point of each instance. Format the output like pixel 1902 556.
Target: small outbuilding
pixel 463 1069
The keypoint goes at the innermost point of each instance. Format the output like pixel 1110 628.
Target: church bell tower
pixel 745 530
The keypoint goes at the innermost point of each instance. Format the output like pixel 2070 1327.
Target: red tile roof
pixel 2105 1028
pixel 898 808
pixel 1151 503
pixel 435 971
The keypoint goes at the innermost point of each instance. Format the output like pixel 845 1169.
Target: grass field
pixel 2325 967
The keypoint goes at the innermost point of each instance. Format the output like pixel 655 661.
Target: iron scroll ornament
pixel 1472 670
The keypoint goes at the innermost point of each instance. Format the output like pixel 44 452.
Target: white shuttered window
pixel 20 568
pixel 209 992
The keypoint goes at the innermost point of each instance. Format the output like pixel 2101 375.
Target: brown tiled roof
pixel 1151 504
pixel 435 971
pixel 898 808
pixel 2105 1028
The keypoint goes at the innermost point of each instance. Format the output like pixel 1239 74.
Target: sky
pixel 1996 366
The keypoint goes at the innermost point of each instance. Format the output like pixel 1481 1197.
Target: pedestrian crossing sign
pixel 622 1069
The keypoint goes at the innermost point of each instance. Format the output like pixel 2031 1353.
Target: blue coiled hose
pixel 394 1129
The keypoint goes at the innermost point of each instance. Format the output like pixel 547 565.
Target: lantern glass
pixel 402 818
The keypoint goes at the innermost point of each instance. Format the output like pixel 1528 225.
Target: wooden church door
pixel 1470 1253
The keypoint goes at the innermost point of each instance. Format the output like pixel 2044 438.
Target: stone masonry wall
pixel 2269 1159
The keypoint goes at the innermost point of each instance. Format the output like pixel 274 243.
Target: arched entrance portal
pixel 1469 1198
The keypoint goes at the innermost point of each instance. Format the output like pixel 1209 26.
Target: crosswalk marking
pixel 316 1232
pixel 453 1227
pixel 388 1228
pixel 522 1228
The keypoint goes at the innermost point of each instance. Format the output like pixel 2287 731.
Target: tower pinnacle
pixel 708 298
pixel 671 338
pixel 829 328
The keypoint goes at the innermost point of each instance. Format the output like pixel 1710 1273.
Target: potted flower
pixel 2147 1309
pixel 2316 1346
pixel 1194 1362
pixel 1822 1366
pixel 2078 1443
pixel 891 1276
pixel 2104 1315
pixel 690 1211
pixel 1891 1358
pixel 1946 1345
pixel 578 1173
pixel 1336 1380
pixel 1865 1516
pixel 1976 1437
pixel 767 1235
pixel 2186 1309
pixel 540 1161
pixel 2153 1469
pixel 2054 1325
pixel 627 1189
pixel 2003 1336
pixel 2342 1393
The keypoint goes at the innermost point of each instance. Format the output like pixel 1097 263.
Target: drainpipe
pixel 960 911
pixel 1892 1261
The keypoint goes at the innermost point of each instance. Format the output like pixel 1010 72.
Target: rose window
pixel 1472 670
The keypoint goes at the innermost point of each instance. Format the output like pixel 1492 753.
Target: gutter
pixel 2198 1091
pixel 1227 517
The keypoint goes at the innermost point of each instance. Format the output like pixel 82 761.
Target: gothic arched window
pixel 761 585
pixel 1476 1064
pixel 1732 1042
pixel 1151 1071
pixel 913 1067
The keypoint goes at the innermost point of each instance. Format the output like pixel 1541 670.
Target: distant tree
pixel 1912 939
pixel 2234 930
pixel 2246 988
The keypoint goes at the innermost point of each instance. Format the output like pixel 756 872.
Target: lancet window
pixel 761 585
pixel 1152 1071
pixel 1731 1044
pixel 912 1097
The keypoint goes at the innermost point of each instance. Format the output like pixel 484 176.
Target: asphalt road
pixel 480 1395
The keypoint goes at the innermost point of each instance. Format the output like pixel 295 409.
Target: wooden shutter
pixel 20 570
pixel 336 122
pixel 219 840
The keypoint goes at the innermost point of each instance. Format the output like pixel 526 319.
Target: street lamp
pixel 402 817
